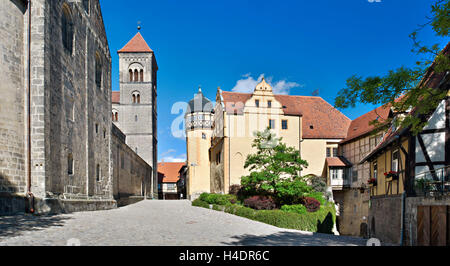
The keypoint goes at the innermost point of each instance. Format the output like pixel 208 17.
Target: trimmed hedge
pixel 321 221
pixel 300 209
pixel 200 203
pixel 218 199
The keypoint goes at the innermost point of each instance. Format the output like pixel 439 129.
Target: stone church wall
pixel 131 174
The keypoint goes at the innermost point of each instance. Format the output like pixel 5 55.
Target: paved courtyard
pixel 155 223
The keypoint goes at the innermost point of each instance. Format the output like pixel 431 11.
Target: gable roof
pixel 338 162
pixel 136 45
pixel 361 125
pixel 115 97
pixel 320 120
pixel 170 171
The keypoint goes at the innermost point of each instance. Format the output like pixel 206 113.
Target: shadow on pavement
pixel 12 226
pixel 294 239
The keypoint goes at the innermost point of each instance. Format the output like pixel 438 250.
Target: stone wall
pixel 12 101
pixel 385 214
pixel 354 212
pixel 77 116
pixel 131 174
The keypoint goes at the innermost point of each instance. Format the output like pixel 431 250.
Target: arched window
pixel 98 71
pixel 136 97
pixel 67 28
pixel 131 75
pixel 142 75
pixel 117 116
pixel 136 118
pixel 136 75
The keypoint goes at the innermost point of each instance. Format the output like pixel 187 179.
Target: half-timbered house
pixel 410 177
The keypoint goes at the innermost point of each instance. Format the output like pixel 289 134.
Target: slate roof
pixel 200 104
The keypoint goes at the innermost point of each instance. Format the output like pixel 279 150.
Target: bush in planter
pixel 299 208
pixel 311 204
pixel 260 203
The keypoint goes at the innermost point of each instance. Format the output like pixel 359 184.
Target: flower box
pixel 391 176
pixel 372 182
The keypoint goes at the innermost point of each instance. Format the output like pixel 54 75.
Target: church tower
pixel 199 123
pixel 137 109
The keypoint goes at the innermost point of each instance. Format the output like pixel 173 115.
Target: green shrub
pixel 321 221
pixel 200 203
pixel 218 199
pixel 299 208
pixel 245 212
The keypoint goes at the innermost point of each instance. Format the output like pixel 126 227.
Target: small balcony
pixel 433 183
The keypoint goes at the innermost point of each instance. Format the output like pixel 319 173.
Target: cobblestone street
pixel 155 223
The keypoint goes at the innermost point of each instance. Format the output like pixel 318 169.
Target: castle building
pixel 309 124
pixel 134 109
pixel 56 133
pixel 199 122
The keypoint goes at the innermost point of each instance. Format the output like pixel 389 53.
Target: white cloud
pixel 248 84
pixel 175 159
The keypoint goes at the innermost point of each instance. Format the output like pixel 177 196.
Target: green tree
pixel 405 87
pixel 275 168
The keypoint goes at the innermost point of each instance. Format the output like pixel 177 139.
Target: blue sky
pixel 302 46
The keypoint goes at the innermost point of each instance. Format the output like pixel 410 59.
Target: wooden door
pixel 433 226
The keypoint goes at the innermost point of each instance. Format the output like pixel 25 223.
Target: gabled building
pixel 410 177
pixel 348 178
pixel 169 175
pixel 308 124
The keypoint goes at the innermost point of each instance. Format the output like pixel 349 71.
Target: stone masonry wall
pixel 131 174
pixel 12 100
pixel 385 218
pixel 77 112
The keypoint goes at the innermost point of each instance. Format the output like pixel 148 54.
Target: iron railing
pixel 433 183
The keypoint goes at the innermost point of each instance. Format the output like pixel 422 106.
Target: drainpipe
pixel 30 195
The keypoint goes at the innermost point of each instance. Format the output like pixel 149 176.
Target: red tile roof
pixel 170 171
pixel 338 162
pixel 115 97
pixel 136 45
pixel 361 125
pixel 320 119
